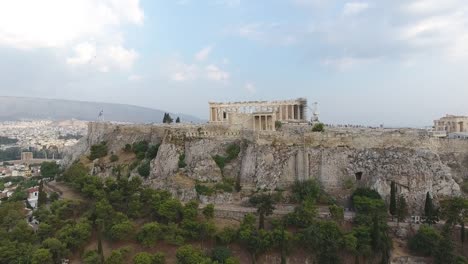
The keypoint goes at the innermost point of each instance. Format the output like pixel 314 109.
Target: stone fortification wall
pixel 340 159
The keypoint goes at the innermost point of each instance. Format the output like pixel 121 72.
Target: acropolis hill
pixel 338 158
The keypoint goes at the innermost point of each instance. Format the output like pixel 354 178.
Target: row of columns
pixel 284 112
pixel 264 123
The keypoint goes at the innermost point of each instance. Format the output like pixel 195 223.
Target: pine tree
pixel 393 201
pixel 177 120
pixel 165 118
pixel 169 119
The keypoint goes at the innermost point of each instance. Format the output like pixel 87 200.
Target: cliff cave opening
pixel 358 175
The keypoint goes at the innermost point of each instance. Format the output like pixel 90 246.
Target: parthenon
pixel 259 115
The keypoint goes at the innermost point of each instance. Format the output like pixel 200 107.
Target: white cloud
pixel 203 53
pixel 121 57
pixel 85 26
pixel 250 87
pixel 354 8
pixel 445 30
pixel 214 73
pixel 84 53
pixel 347 63
pixel 183 72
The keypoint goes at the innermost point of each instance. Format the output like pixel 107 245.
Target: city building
pixel 33 196
pixel 258 115
pixel 26 156
pixel 451 124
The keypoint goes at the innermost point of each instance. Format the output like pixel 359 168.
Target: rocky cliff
pixel 339 159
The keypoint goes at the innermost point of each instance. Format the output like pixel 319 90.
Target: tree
pixel 265 206
pixel 56 248
pixel 118 256
pixel 220 254
pixel 455 211
pixel 444 252
pixel 177 120
pixel 190 255
pixel 42 256
pixel 167 119
pixel 430 213
pixel 306 190
pixel 49 169
pixel 319 127
pixel 122 230
pixel 255 241
pixel 337 213
pixel 208 211
pixel 42 198
pixel 91 257
pixel 425 241
pixel 143 258
pixel 402 209
pixel 326 239
pixel 144 169
pixel 149 234
pixel 98 151
pixel 393 200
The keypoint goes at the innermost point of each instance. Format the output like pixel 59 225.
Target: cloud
pixel 354 8
pixel 250 87
pixel 347 63
pixel 87 27
pixel 214 73
pixel 84 53
pixel 273 33
pixel 203 53
pixel 183 72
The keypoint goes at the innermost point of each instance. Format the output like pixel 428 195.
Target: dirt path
pixel 64 191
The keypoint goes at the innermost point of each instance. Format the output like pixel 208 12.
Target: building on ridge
pixel 259 115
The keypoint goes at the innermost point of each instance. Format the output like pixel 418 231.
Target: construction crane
pixel 315 113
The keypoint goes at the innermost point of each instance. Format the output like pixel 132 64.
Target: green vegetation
pixel 278 124
pixel 144 169
pixel 393 201
pixel 114 158
pixel 425 241
pixel 232 152
pixel 50 169
pixel 7 140
pixel 177 120
pixel 182 163
pixel 319 127
pixel 167 119
pixel 265 207
pixel 98 151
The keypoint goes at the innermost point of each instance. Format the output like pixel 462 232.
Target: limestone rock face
pixel 339 160
pixel 166 162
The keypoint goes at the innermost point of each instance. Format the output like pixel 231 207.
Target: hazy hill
pixel 16 108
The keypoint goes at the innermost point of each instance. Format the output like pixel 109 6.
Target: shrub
pixel 141 146
pixel 144 169
pixel 278 124
pixel 114 158
pixel 127 148
pixel 226 236
pixel 149 234
pixel 220 254
pixel 319 127
pixel 220 161
pixel 465 187
pixel 152 152
pixel 425 241
pixel 203 189
pixel 98 151
pixel 227 185
pixel 182 163
pixel 232 151
pixel 306 190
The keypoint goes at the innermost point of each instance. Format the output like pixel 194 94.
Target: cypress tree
pixel 402 209
pixel 177 120
pixel 430 214
pixel 42 198
pixel 393 202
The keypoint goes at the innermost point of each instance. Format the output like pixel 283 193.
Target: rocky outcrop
pixel 339 160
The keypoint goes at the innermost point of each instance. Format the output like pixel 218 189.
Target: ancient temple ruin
pixel 259 115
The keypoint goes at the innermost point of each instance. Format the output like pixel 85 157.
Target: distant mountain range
pixel 19 108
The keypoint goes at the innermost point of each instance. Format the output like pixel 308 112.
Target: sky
pixel 392 62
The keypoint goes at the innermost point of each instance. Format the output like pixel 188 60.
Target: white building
pixel 33 196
